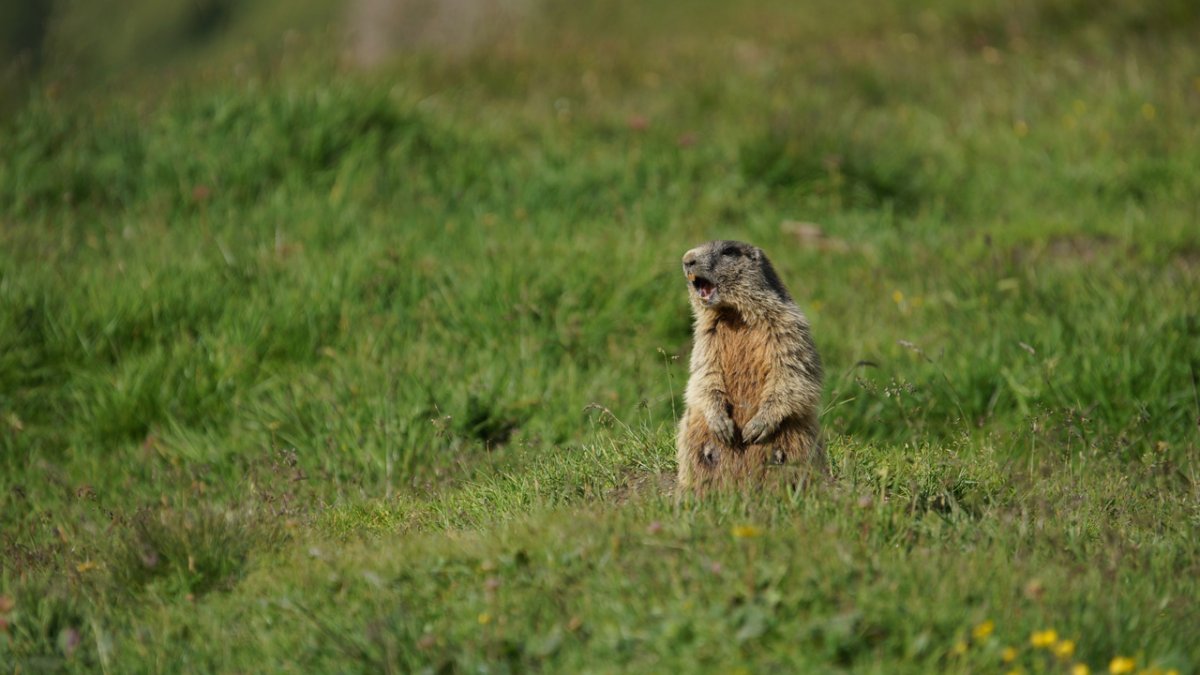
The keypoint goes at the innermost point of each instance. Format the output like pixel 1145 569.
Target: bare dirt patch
pixel 379 29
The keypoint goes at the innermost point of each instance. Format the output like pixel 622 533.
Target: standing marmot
pixel 755 381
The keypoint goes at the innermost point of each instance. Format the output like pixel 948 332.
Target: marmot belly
pixel 744 358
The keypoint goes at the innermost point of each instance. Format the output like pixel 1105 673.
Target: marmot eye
pixel 730 250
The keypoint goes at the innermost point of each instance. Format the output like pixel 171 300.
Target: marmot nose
pixel 689 260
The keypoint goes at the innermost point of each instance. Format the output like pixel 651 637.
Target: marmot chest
pixel 743 354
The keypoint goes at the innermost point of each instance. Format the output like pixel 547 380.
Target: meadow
pixel 314 369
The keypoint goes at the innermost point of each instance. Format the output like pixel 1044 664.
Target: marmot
pixel 755 385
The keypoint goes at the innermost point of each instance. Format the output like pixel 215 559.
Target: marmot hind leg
pixel 800 448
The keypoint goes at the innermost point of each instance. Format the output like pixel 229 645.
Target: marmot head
pixel 731 274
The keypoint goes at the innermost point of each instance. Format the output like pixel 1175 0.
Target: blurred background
pixel 92 46
pixel 927 159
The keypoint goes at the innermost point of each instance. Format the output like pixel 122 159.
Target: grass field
pixel 310 369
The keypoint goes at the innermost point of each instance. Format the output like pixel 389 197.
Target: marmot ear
pixel 756 253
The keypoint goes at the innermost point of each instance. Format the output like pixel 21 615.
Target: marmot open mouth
pixel 704 287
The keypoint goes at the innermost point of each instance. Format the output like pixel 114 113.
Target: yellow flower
pixel 983 630
pixel 1008 655
pixel 485 619
pixel 1021 128
pixel 746 532
pixel 959 648
pixel 1043 638
pixel 897 297
pixel 1149 112
pixel 1121 665
pixel 1080 669
pixel 1065 649
pixel 86 566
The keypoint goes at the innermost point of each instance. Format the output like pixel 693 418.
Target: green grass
pixel 306 369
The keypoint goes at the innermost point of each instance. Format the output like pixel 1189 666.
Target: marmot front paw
pixel 757 430
pixel 721 427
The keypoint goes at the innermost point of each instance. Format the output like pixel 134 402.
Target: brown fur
pixel 754 390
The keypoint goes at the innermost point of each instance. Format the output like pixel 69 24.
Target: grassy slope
pixel 379 372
